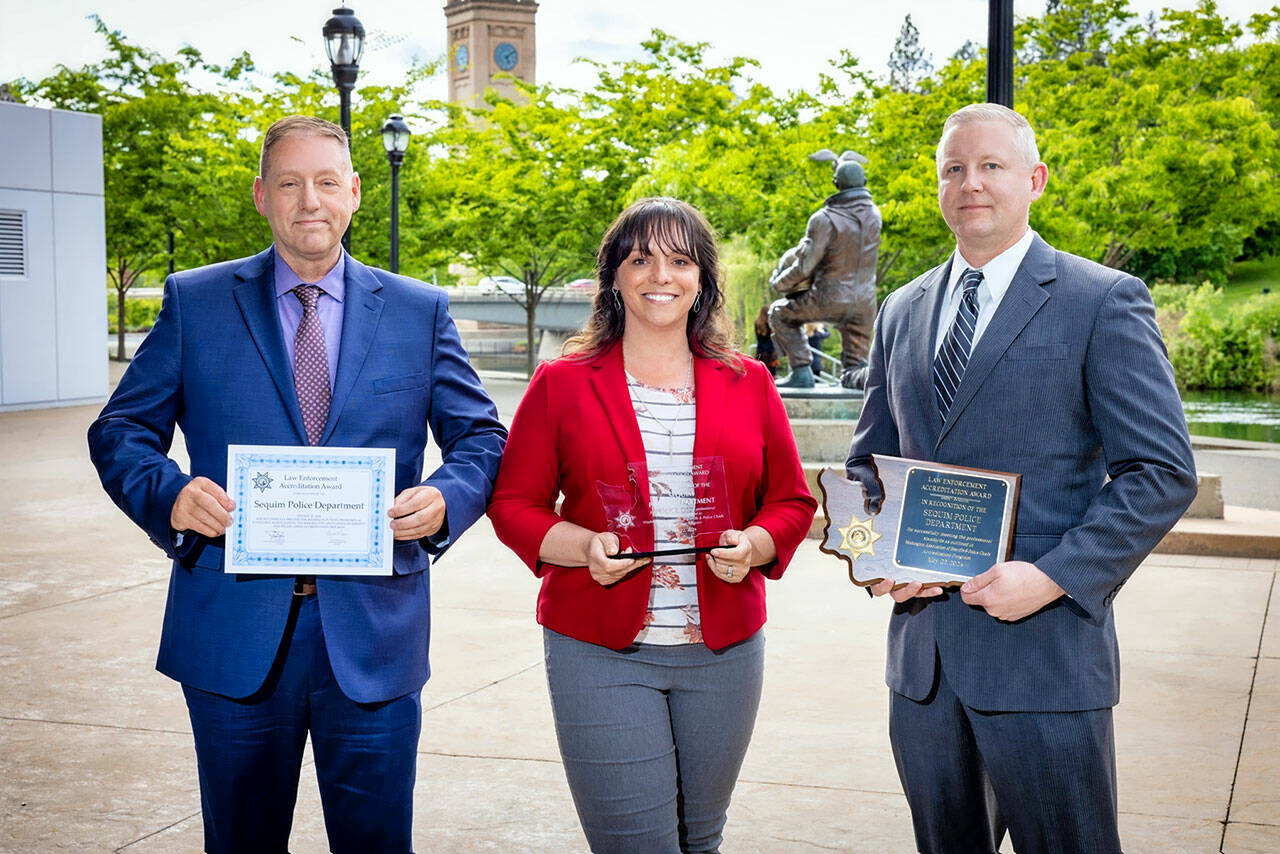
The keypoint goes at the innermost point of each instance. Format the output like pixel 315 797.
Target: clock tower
pixel 487 38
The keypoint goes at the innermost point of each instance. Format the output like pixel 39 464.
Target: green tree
pixel 180 156
pixel 1155 145
pixel 145 102
pixel 909 61
pixel 521 190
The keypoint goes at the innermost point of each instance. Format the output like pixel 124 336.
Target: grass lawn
pixel 1248 278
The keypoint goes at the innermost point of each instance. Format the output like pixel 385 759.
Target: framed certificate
pixel 938 524
pixel 310 510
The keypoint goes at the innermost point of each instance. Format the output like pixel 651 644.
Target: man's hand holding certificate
pixel 310 510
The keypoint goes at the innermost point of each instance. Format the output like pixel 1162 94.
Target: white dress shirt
pixel 996 277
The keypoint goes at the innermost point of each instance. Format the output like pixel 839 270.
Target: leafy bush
pixel 1171 297
pixel 139 314
pixel 1213 347
pixel 746 287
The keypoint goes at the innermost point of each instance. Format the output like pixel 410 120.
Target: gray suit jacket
pixel 1069 385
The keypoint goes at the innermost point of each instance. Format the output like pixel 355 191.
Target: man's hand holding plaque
pixel 917 526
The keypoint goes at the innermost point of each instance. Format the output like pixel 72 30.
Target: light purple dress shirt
pixel 329 307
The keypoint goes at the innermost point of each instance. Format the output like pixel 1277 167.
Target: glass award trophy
pixel 696 503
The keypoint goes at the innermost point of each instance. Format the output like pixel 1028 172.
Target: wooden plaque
pixel 937 524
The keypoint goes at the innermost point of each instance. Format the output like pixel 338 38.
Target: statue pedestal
pixel 820 392
pixel 826 402
pixel 822 420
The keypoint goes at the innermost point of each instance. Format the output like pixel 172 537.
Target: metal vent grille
pixel 13 244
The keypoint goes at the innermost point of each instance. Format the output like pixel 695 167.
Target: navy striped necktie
pixel 953 356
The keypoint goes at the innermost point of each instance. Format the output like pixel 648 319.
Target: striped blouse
pixel 667 419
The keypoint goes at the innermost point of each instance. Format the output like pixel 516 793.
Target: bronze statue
pixel 831 276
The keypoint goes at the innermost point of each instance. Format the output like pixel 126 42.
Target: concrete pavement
pixel 96 755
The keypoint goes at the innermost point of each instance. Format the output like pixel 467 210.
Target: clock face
pixel 506 56
pixel 462 57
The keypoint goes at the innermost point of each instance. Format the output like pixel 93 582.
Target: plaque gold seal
pixel 858 538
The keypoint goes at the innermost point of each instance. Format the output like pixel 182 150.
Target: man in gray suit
pixel 1015 357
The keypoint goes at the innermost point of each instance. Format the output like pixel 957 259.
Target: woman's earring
pixel 697 303
pixel 617 299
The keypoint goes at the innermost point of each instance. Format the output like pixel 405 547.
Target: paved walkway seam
pixel 154 832
pixel 94 726
pixel 820 787
pixel 1248 707
pixel 481 756
pixel 64 603
pixel 486 687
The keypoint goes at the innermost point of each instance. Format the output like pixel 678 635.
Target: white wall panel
pixel 79 252
pixel 25 143
pixel 28 322
pixel 76 152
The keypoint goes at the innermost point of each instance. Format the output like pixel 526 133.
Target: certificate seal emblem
pixel 625 520
pixel 262 481
pixel 859 538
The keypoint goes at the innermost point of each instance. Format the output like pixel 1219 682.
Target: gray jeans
pixel 652 738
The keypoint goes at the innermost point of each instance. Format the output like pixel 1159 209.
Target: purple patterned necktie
pixel 311 365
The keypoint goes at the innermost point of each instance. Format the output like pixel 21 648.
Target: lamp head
pixel 395 137
pixel 344 38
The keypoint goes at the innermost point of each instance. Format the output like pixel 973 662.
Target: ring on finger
pixel 728 573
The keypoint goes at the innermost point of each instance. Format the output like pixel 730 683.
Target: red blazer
pixel 574 433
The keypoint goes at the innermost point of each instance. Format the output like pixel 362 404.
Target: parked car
pixel 581 285
pixel 501 285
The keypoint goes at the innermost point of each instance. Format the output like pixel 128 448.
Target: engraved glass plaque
pixel 698 501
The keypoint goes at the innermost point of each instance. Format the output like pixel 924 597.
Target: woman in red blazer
pixel 659 437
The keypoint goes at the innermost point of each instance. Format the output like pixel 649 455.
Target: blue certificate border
pixel 371 558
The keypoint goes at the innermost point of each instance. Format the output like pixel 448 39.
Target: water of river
pixel 1221 414
pixel 1233 414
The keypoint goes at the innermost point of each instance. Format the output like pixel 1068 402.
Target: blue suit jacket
pixel 1069 386
pixel 215 364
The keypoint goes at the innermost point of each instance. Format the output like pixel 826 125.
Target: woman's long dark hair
pixel 677 227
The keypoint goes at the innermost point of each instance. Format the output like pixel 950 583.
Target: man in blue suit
pixel 300 344
pixel 1014 357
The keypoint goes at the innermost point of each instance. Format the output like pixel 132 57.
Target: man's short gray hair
pixel 300 125
pixel 1024 138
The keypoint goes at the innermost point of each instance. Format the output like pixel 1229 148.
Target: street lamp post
pixel 395 139
pixel 1000 52
pixel 344 42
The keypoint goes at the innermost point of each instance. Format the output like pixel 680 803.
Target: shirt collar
pixel 333 283
pixel 998 273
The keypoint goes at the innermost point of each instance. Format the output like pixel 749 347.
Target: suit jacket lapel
pixel 1020 303
pixel 609 382
pixel 709 387
pixel 922 332
pixel 361 310
pixel 256 298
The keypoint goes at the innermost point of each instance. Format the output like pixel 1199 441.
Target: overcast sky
pixel 792 39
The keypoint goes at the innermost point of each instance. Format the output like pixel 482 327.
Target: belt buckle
pixel 304 586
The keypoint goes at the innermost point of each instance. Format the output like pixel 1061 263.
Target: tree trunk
pixel 120 314
pixel 119 325
pixel 530 314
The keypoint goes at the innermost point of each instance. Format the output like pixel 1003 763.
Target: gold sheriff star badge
pixel 858 539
